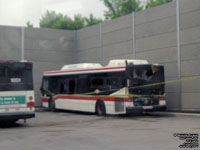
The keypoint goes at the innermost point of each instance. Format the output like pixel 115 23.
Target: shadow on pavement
pixel 10 124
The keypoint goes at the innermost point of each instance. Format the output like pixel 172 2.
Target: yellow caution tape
pixel 126 90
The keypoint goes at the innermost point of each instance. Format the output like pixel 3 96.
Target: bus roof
pixel 113 65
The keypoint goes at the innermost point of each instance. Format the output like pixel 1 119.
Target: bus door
pixel 78 102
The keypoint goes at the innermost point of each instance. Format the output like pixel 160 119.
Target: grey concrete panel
pixel 157 27
pixel 189 5
pixel 172 84
pixel 190 51
pixel 48 45
pixel 117 24
pixel 51 34
pixel 10 54
pixel 190 19
pixel 122 56
pixel 88 54
pixel 155 13
pixel 163 55
pixel 88 43
pixel 191 86
pixel 88 32
pixel 117 36
pixel 10 38
pixel 156 42
pixel 170 70
pixel 118 49
pixel 190 101
pixel 172 100
pixel 172 87
pixel 191 35
pixel 88 60
pixel 190 68
pixel 51 56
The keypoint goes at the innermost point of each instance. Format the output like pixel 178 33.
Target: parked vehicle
pixel 16 91
pixel 118 88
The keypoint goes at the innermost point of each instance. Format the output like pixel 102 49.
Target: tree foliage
pixel 29 25
pixel 153 3
pixel 117 8
pixel 92 20
pixel 51 19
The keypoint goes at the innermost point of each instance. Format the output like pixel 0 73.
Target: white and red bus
pixel 117 88
pixel 16 91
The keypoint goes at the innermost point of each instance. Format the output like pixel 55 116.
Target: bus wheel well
pixel 100 108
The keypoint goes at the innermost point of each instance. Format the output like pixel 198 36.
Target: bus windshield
pixel 16 76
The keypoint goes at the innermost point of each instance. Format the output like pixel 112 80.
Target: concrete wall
pixel 10 43
pixel 154 38
pixel 149 34
pixel 48 49
pixel 190 53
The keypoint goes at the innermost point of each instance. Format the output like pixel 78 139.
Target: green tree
pixel 51 19
pixel 78 22
pixel 117 8
pixel 92 20
pixel 153 3
pixel 29 25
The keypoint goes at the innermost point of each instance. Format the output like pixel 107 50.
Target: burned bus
pixel 123 86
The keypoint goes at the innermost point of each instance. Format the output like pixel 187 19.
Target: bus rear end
pixel 16 91
pixel 146 87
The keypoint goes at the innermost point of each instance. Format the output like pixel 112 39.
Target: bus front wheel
pixel 100 108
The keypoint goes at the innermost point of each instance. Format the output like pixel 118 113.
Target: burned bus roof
pixel 113 65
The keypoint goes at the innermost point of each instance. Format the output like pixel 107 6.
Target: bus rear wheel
pixel 100 108
pixel 52 105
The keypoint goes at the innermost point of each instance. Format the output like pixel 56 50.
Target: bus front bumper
pixel 16 115
pixel 138 109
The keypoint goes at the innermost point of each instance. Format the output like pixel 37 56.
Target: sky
pixel 18 12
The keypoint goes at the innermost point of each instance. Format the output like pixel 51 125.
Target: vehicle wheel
pixel 52 105
pixel 100 108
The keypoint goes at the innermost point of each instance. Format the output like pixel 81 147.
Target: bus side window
pixel 112 82
pixel 72 86
pixel 82 85
pixel 97 83
pixel 62 88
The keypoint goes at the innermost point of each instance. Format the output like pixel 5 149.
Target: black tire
pixel 100 108
pixel 52 105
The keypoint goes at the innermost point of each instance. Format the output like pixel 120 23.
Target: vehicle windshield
pixel 16 77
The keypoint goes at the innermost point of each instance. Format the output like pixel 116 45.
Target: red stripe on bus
pixel 56 72
pixel 162 98
pixel 92 98
pixel 45 100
